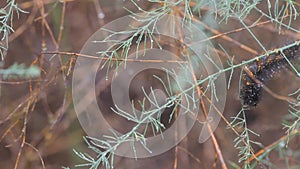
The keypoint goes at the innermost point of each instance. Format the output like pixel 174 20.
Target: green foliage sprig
pixel 292 120
pixel 19 71
pixel 6 23
pixel 6 28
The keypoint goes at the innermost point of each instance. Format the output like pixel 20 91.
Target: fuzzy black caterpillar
pixel 263 69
